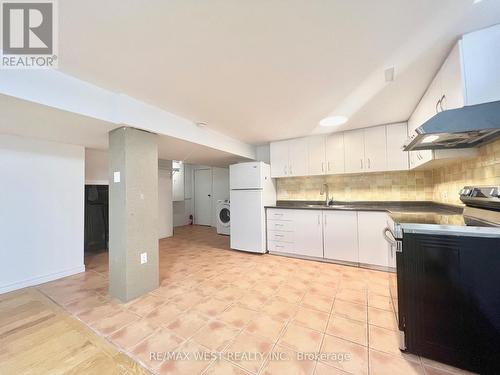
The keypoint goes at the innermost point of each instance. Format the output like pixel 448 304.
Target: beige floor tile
pixel 110 324
pixel 279 308
pixel 221 367
pixel 253 300
pixel 187 323
pixel 382 318
pixel 350 310
pixel 310 318
pixel 266 326
pixel 382 364
pixel 285 361
pixel 324 369
pixel 237 316
pixel 384 340
pixel 164 314
pixel 257 349
pixel 188 299
pixel 290 294
pixel 301 339
pixel 345 355
pixel 380 302
pixel 352 295
pixel 212 306
pixel 196 361
pixel 215 335
pixel 94 314
pixel 317 302
pixel 144 305
pixel 160 341
pixel 352 330
pixel 84 304
pixel 130 335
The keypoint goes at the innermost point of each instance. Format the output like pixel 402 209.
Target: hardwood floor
pixel 39 337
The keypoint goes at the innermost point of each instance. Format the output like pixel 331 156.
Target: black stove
pixel 482 205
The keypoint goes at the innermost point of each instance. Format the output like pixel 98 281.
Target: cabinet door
pixel 316 151
pixel 335 153
pixel 279 159
pixel 373 248
pixel 298 157
pixel 375 149
pixel 397 159
pixel 452 84
pixel 340 233
pixel 354 145
pixel 308 235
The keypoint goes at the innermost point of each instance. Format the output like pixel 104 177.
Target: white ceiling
pixel 23 118
pixel 265 70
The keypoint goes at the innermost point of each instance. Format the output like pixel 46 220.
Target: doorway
pixel 96 218
pixel 203 197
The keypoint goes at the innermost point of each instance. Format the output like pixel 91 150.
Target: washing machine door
pixel 224 216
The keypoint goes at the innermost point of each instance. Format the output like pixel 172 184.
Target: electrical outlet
pixel 116 177
pixel 144 258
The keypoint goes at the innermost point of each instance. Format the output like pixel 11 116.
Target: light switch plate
pixel 144 258
pixel 116 177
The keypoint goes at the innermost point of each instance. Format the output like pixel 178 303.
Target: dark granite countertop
pixel 424 212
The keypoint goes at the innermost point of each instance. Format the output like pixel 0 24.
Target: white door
pixel 340 231
pixel 279 159
pixel 316 149
pixel 308 236
pixel 165 211
pixel 203 196
pixel 354 144
pixel 375 149
pixel 373 248
pixel 397 159
pixel 247 221
pixel 298 157
pixel 335 153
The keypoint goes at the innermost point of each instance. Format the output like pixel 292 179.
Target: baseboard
pixel 41 279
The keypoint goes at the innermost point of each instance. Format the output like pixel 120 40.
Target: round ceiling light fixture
pixel 333 121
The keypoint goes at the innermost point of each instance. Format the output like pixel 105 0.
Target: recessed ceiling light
pixel 333 121
pixel 477 1
pixel 430 138
pixel 201 124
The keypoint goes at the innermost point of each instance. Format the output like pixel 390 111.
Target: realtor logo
pixel 28 34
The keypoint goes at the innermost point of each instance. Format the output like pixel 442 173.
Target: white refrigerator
pixel 252 188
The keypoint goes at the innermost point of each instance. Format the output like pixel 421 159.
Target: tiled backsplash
pixel 439 184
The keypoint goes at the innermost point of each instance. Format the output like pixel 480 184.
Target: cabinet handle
pixel 328 166
pixel 361 163
pixel 322 167
pixel 284 169
pixel 441 103
pixel 290 170
pixel 325 219
pixel 278 235
pixel 369 164
pixel 319 220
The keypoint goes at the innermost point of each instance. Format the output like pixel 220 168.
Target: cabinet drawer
pixel 279 214
pixel 283 247
pixel 280 236
pixel 281 225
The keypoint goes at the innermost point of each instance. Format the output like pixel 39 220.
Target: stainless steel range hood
pixel 465 127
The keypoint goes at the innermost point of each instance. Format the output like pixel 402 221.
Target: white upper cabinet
pixel 289 158
pixel 375 149
pixel 279 159
pixel 335 153
pixel 316 149
pixel 468 76
pixel 397 159
pixel 298 159
pixel 354 146
pixel 177 181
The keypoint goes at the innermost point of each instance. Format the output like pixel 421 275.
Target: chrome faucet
pixel 325 190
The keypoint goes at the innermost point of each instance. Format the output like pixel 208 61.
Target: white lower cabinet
pixel 341 235
pixel 373 248
pixel 344 236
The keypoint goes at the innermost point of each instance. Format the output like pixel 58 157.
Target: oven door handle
pixel 389 238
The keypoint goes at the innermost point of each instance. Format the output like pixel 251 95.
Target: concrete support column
pixel 133 213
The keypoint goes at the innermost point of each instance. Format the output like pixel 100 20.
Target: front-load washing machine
pixel 223 213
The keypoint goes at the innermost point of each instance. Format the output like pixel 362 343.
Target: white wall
pixel 96 167
pixel 42 211
pixel 220 189
pixel 165 209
